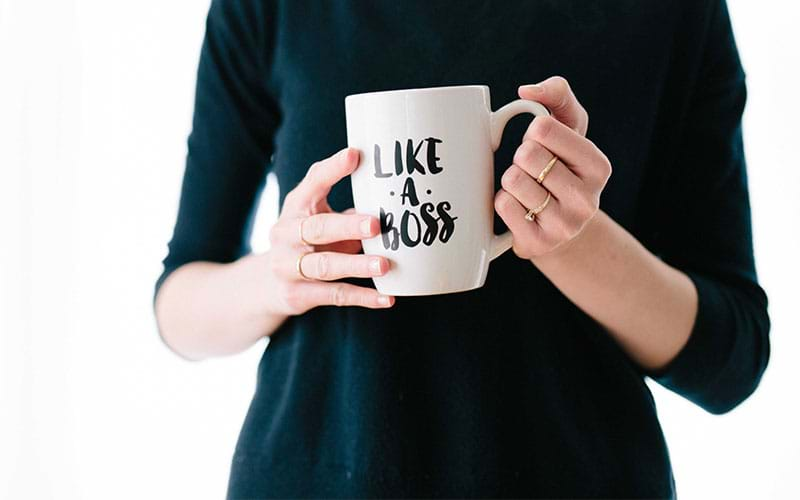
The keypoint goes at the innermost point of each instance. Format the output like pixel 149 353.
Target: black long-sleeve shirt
pixel 509 390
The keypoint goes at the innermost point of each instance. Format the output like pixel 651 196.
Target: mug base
pixel 424 293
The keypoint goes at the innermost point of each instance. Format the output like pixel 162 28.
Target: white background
pixel 95 106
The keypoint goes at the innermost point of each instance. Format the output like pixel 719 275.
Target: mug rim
pixel 420 89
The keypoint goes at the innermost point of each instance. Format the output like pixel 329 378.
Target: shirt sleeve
pixel 230 144
pixel 706 233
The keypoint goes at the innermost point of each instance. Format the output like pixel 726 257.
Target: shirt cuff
pixel 713 369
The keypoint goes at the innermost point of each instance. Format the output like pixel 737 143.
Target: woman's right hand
pixel 311 245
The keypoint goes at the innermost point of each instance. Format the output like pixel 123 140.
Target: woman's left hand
pixel 574 181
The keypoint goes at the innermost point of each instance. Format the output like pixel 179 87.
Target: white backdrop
pixel 95 106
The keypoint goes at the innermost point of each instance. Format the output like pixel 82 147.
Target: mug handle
pixel 497 123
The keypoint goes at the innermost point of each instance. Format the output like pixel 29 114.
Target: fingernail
pixel 366 227
pixel 375 266
pixel 535 88
pixel 383 300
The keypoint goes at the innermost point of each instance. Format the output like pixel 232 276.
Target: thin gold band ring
pixel 533 212
pixel 300 232
pixel 299 266
pixel 547 169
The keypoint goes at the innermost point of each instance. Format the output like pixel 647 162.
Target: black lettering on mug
pixel 410 192
pixel 412 164
pixel 405 229
pixel 411 158
pixel 431 223
pixel 432 158
pixel 432 220
pixel 388 231
pixel 379 173
pixel 448 221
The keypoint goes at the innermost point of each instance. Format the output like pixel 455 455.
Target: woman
pixel 534 384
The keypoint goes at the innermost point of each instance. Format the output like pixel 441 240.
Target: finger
pixel 533 158
pixel 320 178
pixel 528 235
pixel 347 246
pixel 321 229
pixel 556 94
pixel 344 294
pixel 329 266
pixel 559 221
pixel 577 201
pixel 526 190
pixel 576 151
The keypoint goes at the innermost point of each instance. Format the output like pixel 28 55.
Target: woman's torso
pixel 505 390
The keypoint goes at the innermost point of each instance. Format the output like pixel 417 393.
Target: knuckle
pixel 532 153
pixel 511 177
pixel 561 82
pixel 541 127
pixel 601 160
pixel 316 227
pixel 323 266
pixel 608 169
pixel 525 154
pixel 562 91
pixel 501 201
pixel 293 297
pixel 313 169
pixel 338 296
pixel 604 163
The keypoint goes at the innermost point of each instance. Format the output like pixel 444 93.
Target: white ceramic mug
pixel 427 171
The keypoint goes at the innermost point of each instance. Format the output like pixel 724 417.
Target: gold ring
pixel 533 212
pixel 300 231
pixel 547 169
pixel 299 266
pixel 530 216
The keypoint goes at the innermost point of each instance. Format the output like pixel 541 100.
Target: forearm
pixel 648 306
pixel 207 309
